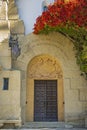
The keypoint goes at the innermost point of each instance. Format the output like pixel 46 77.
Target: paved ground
pixel 56 129
pixel 49 129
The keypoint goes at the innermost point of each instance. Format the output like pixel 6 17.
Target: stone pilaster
pixel 5 50
pixel 10 110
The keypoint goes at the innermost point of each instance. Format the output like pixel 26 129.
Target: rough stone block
pixel 5 51
pixel 2 10
pixel 5 61
pixel 72 95
pixel 9 111
pixel 4 30
pixel 73 107
pixel 77 83
pixel 17 27
pixel 12 12
pixel 83 94
pixel 9 97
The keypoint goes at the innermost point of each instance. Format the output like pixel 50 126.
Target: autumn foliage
pixel 70 19
pixel 61 13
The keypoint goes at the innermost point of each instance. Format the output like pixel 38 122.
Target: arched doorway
pixel 44 95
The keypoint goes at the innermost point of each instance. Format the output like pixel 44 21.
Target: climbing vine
pixel 70 19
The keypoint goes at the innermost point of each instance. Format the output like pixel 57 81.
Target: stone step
pixel 46 125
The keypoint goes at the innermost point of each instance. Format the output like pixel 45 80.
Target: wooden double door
pixel 45 100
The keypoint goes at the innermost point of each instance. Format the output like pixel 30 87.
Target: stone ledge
pixel 10 121
pixel 16 122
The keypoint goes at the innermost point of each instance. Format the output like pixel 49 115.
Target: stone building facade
pixel 34 68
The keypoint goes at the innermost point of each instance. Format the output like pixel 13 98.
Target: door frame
pixel 30 100
pixel 44 67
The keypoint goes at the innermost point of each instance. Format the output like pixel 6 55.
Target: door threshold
pixel 44 125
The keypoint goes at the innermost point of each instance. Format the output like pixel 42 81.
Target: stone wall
pixel 10 110
pixel 55 45
pixel 75 85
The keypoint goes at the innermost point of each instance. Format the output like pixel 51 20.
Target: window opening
pixel 6 83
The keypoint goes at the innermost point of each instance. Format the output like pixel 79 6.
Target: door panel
pixel 39 111
pixel 45 100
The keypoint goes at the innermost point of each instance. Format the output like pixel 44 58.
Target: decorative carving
pixel 44 67
pixel 13 43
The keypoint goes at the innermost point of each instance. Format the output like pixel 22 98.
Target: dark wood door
pixel 45 100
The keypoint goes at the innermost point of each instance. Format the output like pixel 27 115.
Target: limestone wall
pixel 5 50
pixel 75 85
pixel 10 110
pixel 55 45
pixel 10 99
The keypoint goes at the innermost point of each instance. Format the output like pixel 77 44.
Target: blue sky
pixel 29 10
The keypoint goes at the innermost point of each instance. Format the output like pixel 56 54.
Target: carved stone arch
pixel 44 67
